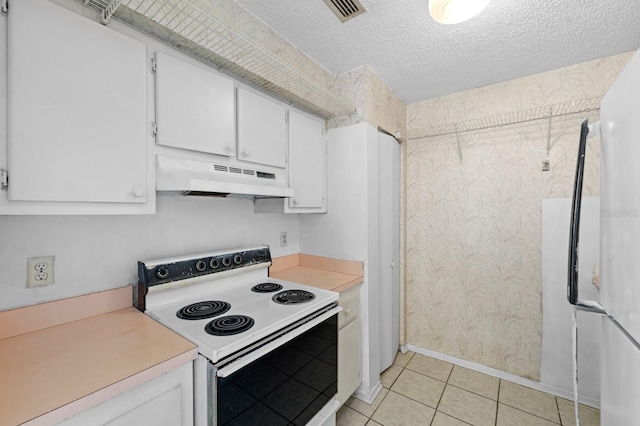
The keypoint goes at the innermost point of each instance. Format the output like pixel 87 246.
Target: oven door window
pixel 287 386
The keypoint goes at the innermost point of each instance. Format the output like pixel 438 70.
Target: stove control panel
pixel 161 271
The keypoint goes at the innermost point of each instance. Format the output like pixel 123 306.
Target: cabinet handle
pixel 246 153
pixel 229 148
pixel 347 311
pixel 294 201
pixel 139 192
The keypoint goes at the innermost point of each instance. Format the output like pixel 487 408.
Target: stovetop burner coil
pixel 203 310
pixel 293 297
pixel 266 288
pixel 229 325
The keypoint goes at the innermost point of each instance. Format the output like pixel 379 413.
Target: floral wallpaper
pixel 376 103
pixel 576 82
pixel 384 109
pixel 473 224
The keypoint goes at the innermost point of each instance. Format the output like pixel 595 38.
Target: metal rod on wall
pixel 545 164
pixel 513 117
pixel 458 144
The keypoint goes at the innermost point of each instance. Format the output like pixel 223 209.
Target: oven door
pixel 286 380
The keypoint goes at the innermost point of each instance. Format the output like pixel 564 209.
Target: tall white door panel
pixel 389 247
pixel 194 107
pixel 261 130
pixel 77 116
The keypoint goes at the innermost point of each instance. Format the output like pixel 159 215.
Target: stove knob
pixel 162 272
pixel 237 259
pixel 226 261
pixel 201 265
pixel 214 263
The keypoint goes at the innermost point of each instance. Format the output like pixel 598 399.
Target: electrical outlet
pixel 283 239
pixel 39 271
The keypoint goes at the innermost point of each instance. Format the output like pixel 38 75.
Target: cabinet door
pixel 166 400
pixel 77 119
pixel 261 130
pixel 307 163
pixel 194 108
pixel 349 358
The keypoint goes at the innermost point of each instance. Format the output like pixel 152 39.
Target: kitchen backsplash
pixel 474 216
pixel 95 253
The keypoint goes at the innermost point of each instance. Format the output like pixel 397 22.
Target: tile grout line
pixel 558 408
pixel 475 393
pixel 440 399
pixel 532 414
pixel 438 404
pixel 385 397
pixel 498 401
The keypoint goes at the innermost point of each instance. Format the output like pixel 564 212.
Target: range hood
pixel 210 178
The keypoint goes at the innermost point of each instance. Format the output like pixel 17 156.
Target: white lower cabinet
pixel 166 400
pixel 349 344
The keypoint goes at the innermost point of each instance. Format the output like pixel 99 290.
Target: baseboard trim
pixel 368 396
pixel 586 400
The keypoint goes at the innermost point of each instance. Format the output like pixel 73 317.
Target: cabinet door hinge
pixel 153 64
pixel 4 179
pixel 154 128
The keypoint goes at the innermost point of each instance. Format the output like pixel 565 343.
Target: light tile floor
pixel 419 390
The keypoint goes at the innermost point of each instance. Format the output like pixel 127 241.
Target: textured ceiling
pixel 421 59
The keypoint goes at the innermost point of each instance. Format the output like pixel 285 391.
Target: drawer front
pixel 350 302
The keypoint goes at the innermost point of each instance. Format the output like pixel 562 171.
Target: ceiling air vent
pixel 345 9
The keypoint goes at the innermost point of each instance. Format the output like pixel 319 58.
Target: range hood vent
pixel 345 9
pixel 201 177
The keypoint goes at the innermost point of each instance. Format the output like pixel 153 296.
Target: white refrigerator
pixel 619 306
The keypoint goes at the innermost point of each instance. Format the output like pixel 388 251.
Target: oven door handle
pixel 274 344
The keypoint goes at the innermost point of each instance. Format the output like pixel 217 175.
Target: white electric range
pixel 267 348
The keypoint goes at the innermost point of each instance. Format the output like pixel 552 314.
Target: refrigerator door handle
pixel 574 231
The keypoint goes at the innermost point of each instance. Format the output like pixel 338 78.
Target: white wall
pixel 342 232
pixel 99 252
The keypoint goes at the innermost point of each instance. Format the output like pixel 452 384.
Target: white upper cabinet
pixel 194 108
pixel 261 130
pixel 77 110
pixel 307 164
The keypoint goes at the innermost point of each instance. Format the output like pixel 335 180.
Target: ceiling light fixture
pixel 455 11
